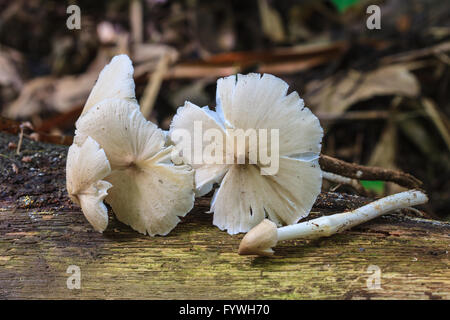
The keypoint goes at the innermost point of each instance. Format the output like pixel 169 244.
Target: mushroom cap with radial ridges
pixel 185 118
pixel 245 197
pixel 149 192
pixel 114 81
pixel 86 166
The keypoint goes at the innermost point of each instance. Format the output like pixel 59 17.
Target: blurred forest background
pixel 382 96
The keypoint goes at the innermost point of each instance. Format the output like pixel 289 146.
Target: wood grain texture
pixel 198 261
pixel 42 233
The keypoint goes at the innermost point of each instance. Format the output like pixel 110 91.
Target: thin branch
pixel 356 171
pixel 152 89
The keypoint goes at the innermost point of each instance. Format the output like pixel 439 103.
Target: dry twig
pixel 357 171
pixel 154 84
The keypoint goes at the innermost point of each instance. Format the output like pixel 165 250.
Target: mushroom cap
pixel 149 192
pixel 260 240
pixel 245 197
pixel 114 81
pixel 86 166
pixel 253 101
pixel 185 118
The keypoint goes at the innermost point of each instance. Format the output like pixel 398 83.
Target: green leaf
pixel 343 5
pixel 376 186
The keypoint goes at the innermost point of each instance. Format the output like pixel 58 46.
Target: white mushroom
pixel 246 196
pixel 261 239
pixel 86 166
pixel 114 81
pixel 149 192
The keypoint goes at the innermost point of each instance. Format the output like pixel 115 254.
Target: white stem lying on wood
pixel 261 239
pixel 329 225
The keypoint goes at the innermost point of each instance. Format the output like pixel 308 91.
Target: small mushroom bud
pixel 262 238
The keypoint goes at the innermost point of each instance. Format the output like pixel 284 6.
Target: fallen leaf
pixel 384 152
pixel 67 93
pixel 33 99
pixel 271 21
pixel 337 95
pixel 438 119
pixel 9 74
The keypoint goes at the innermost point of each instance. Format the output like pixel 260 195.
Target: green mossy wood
pixel 42 234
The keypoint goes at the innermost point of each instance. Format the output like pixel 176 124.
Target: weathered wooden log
pixel 42 234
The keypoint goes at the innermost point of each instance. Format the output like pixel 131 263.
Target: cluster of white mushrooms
pixel 120 157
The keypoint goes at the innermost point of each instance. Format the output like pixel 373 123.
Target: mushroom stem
pixel 328 225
